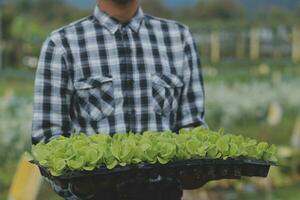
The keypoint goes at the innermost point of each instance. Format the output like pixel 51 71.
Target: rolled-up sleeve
pixel 191 111
pixel 52 95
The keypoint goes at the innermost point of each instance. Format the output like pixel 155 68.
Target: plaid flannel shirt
pixel 97 76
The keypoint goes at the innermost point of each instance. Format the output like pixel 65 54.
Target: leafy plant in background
pixel 225 109
pixel 81 152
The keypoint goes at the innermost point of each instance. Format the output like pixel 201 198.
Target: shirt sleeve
pixel 191 111
pixel 52 94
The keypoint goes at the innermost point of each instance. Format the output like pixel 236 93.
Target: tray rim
pixel 147 166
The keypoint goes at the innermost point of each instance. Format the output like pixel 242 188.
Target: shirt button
pixel 124 29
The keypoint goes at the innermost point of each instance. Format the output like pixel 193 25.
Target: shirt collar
pixel 112 24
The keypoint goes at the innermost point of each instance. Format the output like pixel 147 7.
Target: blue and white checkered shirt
pixel 98 76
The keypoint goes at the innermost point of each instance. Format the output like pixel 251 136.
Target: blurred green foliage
pixel 26 23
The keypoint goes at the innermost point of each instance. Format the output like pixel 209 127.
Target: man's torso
pixel 123 79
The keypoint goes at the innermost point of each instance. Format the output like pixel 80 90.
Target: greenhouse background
pixel 250 55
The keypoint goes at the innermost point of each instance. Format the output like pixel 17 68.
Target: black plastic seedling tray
pixel 128 182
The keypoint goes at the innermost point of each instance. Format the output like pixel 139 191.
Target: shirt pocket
pixel 96 96
pixel 166 89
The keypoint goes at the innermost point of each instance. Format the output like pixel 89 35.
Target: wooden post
pixel 215 46
pixel 296 44
pixel 254 43
pixel 295 139
pixel 240 46
pixel 274 114
pixel 26 182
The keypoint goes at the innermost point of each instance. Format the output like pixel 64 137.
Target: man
pixel 116 71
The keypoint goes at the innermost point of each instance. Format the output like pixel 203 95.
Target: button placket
pixel 129 82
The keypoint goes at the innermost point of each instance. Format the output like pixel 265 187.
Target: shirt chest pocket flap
pixel 96 96
pixel 166 89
